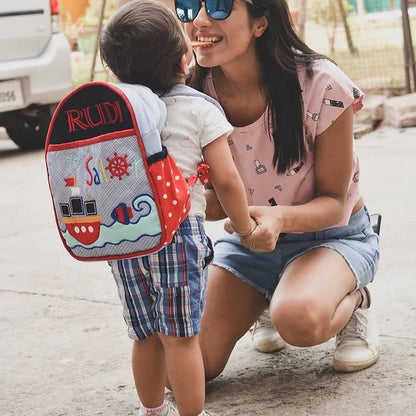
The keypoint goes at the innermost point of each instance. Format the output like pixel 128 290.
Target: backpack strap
pixel 202 173
pixel 150 112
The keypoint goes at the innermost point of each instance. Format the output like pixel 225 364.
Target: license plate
pixel 10 95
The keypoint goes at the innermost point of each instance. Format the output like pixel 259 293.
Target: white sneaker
pixel 358 344
pixel 172 411
pixel 264 335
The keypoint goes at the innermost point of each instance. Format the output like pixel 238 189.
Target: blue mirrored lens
pixel 219 9
pixel 219 14
pixel 187 10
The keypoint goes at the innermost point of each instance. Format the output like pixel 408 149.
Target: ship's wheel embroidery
pixel 118 166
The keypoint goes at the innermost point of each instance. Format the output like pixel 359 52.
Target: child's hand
pixel 230 228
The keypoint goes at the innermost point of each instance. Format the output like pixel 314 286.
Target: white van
pixel 35 69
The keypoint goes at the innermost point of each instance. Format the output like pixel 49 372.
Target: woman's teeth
pixel 205 41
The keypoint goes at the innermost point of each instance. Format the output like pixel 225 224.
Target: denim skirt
pixel 356 242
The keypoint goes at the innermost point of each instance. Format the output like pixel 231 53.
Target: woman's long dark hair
pixel 280 52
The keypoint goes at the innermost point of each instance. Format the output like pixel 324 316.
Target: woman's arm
pixel 333 167
pixel 214 210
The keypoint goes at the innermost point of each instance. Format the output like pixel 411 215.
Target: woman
pixel 313 251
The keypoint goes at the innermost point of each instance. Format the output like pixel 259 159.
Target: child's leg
pixel 149 371
pixel 185 371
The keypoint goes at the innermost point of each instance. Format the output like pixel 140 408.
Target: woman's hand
pixel 265 235
pixel 269 226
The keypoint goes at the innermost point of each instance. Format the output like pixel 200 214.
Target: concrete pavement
pixel 63 346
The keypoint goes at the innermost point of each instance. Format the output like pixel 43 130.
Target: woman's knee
pixel 213 369
pixel 215 354
pixel 231 308
pixel 300 320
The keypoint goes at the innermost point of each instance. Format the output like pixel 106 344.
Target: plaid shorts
pixel 165 291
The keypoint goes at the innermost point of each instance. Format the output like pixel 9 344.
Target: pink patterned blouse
pixel 325 96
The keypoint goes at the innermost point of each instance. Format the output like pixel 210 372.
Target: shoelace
pixel 355 327
pixel 263 321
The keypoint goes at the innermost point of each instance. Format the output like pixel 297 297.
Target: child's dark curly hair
pixel 143 43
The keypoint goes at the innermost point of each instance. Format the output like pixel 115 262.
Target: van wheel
pixel 30 126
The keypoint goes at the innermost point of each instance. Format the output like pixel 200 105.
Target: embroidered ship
pixel 81 219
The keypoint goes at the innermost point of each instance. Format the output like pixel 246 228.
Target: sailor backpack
pixel 116 191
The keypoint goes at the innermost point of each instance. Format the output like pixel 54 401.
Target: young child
pixel 163 293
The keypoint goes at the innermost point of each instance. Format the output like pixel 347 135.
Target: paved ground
pixel 63 348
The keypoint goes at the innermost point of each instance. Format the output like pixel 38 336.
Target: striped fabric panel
pixel 137 298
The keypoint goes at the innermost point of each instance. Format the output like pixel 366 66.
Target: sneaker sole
pixel 267 348
pixel 345 367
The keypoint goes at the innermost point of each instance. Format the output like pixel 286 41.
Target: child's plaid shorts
pixel 165 291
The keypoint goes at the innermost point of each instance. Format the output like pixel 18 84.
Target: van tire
pixel 30 127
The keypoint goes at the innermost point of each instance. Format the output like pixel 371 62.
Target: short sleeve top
pixel 325 96
pixel 191 124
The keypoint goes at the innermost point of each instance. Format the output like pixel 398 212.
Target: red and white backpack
pixel 116 191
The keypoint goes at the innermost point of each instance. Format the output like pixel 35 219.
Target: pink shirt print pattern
pixel 325 96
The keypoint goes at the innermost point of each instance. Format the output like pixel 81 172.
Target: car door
pixel 25 28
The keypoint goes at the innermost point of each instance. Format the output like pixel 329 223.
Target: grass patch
pixel 379 63
pixel 375 68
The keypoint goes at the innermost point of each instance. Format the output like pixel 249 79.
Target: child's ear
pixel 184 64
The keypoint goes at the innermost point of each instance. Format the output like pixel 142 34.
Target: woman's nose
pixel 202 18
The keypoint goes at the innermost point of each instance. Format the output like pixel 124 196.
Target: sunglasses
pixel 187 10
